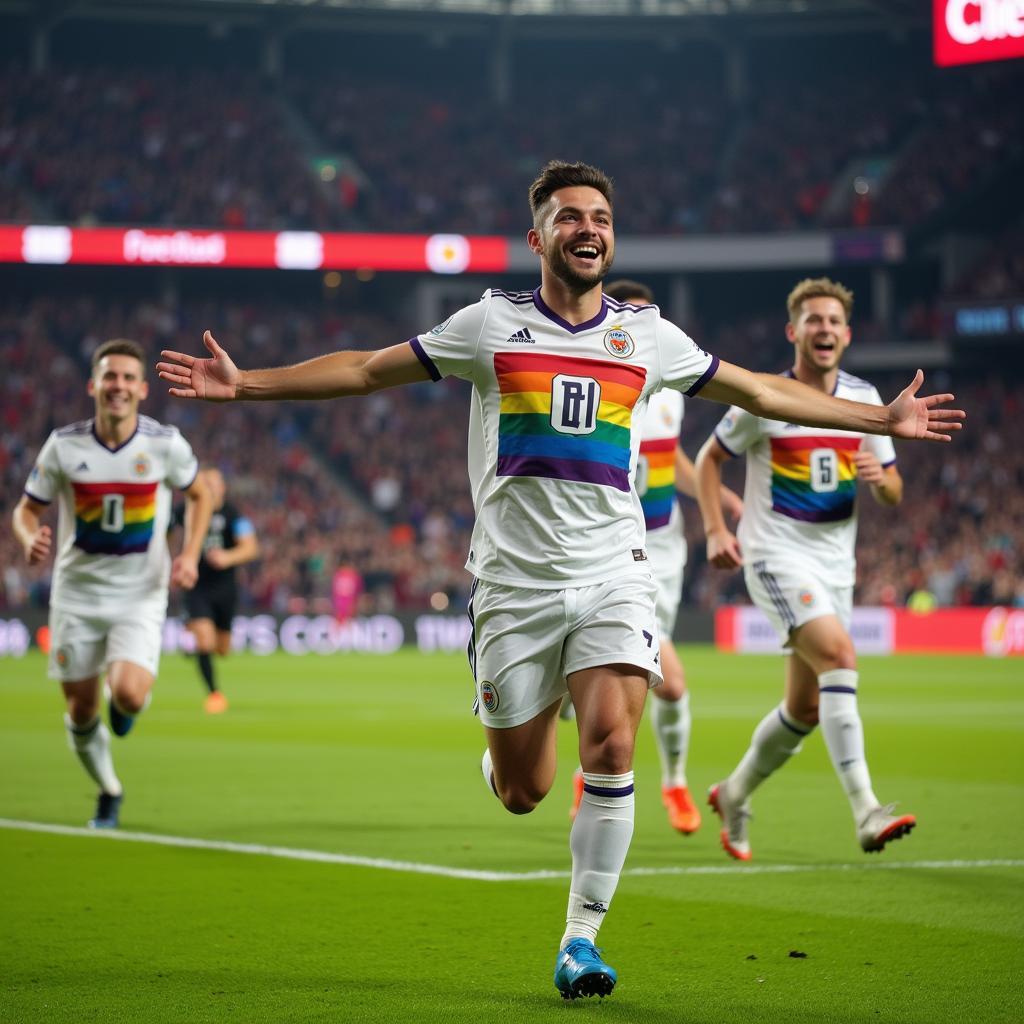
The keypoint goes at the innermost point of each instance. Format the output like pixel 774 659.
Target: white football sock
pixel 91 743
pixel 776 739
pixel 599 841
pixel 844 737
pixel 487 769
pixel 670 721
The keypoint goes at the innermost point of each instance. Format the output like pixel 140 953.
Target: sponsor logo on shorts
pixel 63 656
pixel 489 696
pixel 639 555
pixel 619 343
pixel 141 466
pixel 806 598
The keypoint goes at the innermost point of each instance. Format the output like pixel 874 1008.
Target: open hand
pixel 724 550
pixel 215 380
pixel 919 418
pixel 39 550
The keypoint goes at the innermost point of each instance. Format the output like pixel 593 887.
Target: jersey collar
pixel 98 440
pixel 546 310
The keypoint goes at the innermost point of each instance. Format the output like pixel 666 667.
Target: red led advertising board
pixel 971 31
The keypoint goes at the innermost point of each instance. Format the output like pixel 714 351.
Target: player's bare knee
pixel 519 798
pixel 612 754
pixel 83 709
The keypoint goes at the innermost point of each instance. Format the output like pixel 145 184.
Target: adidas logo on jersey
pixel 81 466
pixel 523 337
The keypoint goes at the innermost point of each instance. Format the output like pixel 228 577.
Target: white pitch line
pixel 412 867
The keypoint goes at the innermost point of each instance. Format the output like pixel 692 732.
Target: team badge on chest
pixel 619 343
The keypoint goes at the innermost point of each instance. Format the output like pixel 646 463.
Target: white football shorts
pixel 525 641
pixel 791 594
pixel 82 646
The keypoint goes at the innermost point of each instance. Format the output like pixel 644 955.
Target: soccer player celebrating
pixel 796 546
pixel 662 469
pixel 210 604
pixel 111 476
pixel 563 596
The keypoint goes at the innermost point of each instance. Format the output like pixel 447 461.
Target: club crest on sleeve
pixel 489 696
pixel 440 328
pixel 619 343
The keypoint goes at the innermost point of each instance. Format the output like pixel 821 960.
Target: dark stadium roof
pixel 745 16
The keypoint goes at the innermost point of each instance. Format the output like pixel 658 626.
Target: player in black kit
pixel 230 542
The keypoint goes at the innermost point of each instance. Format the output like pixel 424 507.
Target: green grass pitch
pixel 378 758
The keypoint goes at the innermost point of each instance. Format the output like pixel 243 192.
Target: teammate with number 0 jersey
pixel 111 477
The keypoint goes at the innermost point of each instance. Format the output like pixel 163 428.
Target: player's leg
pixel 133 657
pixel 205 636
pixel 778 736
pixel 519 763
pixel 77 651
pixel 825 646
pixel 223 615
pixel 616 622
pixel 671 721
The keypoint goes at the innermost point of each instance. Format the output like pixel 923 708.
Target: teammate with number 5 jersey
pixel 111 477
pixel 796 545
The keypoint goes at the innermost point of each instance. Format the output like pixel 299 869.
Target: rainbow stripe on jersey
pixel 660 495
pixel 596 399
pixel 794 492
pixel 127 527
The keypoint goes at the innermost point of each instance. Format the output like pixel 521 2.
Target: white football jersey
pixel 114 507
pixel 799 500
pixel 555 430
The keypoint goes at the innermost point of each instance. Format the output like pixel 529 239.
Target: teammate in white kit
pixel 111 477
pixel 662 470
pixel 563 596
pixel 796 545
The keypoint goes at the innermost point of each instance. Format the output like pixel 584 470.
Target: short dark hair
pixel 624 290
pixel 120 347
pixel 558 174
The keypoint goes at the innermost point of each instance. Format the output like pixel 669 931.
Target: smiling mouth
pixel 586 252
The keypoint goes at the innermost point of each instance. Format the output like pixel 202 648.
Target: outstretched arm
pixel 723 547
pixel 35 538
pixel 217 379
pixel 198 509
pixel 786 399
pixel 686 483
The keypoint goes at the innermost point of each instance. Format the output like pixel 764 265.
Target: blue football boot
pixel 108 807
pixel 580 971
pixel 120 723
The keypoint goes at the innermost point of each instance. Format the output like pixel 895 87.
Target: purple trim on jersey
pixel 845 511
pixel 619 306
pixel 837 689
pixel 516 298
pixel 579 470
pixel 546 310
pixel 704 377
pixel 428 363
pixel 114 451
pixel 604 791
pixel 791 727
pixel 38 501
pixel 886 465
pixel 728 451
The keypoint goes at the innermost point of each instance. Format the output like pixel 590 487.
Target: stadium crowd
pixel 226 148
pixel 345 485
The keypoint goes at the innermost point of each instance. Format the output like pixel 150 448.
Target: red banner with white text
pixel 971 31
pixel 59 245
pixel 997 632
